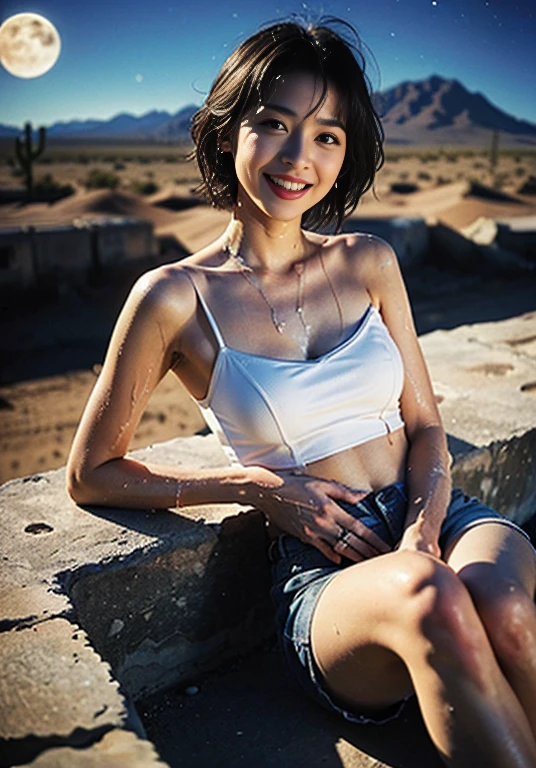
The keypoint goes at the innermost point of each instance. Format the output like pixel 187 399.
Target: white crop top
pixel 283 414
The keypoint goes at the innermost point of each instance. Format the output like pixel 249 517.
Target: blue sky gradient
pixel 134 56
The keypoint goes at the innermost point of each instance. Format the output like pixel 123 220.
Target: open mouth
pixel 290 186
pixel 288 190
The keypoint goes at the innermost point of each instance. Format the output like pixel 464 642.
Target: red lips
pixel 287 194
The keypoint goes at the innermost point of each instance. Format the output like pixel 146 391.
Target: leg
pixel 405 619
pixel 498 567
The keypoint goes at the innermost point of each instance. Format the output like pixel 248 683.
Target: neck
pixel 263 243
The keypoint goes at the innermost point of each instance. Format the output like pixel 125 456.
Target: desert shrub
pixel 119 166
pixel 478 164
pixel 17 173
pixel 171 159
pixel 440 180
pixel 424 176
pixel 451 157
pixel 529 187
pixel 430 157
pixel 404 187
pixel 403 175
pixel 519 172
pixel 48 185
pixel 144 187
pixel 144 160
pixel 101 179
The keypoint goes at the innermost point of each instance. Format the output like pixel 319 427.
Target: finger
pixel 325 548
pixel 358 528
pixel 343 547
pixel 354 548
pixel 347 521
pixel 345 493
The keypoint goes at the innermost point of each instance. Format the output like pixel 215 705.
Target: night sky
pixel 135 56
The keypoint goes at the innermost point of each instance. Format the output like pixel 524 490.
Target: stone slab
pixel 484 377
pixel 503 475
pixel 48 538
pixel 116 749
pixel 53 682
pixel 167 617
pixel 54 689
pixel 160 592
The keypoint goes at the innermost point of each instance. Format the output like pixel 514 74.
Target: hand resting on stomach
pixel 305 503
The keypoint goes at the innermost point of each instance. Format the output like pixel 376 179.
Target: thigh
pixel 353 631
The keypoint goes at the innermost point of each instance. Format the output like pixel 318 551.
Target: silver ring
pixel 341 538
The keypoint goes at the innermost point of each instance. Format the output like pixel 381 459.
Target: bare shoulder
pixel 166 293
pixel 366 257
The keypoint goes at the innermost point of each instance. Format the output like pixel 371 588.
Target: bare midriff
pixel 366 467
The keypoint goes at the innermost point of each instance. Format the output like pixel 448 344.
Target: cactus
pixel 26 153
pixel 494 152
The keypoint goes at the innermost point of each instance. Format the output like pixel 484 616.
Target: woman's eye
pixel 328 138
pixel 272 122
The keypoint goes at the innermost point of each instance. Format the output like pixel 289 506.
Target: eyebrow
pixel 330 122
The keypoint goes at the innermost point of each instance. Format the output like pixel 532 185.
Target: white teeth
pixel 290 185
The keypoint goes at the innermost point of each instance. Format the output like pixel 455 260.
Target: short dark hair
pixel 246 77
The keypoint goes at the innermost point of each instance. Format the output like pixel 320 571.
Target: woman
pixel 300 348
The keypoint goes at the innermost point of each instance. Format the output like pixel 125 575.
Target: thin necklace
pixel 249 274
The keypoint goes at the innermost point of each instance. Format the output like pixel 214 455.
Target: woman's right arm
pixel 145 344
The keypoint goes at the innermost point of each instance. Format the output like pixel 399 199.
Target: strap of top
pixel 210 317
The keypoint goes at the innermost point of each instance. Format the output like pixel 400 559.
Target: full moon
pixel 29 45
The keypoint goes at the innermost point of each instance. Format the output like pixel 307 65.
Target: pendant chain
pixel 280 325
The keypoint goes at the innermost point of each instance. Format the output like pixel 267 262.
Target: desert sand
pixel 52 352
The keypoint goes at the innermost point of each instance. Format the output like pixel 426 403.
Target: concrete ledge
pixel 503 475
pixel 161 595
pixel 54 690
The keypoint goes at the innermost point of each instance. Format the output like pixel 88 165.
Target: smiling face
pixel 288 157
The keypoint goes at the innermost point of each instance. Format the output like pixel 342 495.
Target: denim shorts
pixel 300 572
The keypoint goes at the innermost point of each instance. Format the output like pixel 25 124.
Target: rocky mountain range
pixel 432 111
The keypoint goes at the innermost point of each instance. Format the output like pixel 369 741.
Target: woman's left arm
pixel 428 465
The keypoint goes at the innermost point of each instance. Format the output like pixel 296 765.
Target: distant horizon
pixel 135 57
pixel 175 111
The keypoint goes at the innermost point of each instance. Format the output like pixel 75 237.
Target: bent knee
pixel 507 612
pixel 435 612
pixel 428 595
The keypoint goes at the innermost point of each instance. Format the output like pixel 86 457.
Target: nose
pixel 294 152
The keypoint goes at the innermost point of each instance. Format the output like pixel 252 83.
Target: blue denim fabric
pixel 300 572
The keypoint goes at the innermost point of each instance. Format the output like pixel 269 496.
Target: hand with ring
pixel 306 507
pixel 356 547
